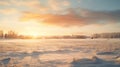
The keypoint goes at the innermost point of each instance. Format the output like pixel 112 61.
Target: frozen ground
pixel 60 53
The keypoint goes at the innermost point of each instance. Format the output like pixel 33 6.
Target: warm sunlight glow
pixel 33 34
pixel 40 18
pixel 59 33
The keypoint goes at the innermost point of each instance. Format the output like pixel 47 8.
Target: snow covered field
pixel 60 53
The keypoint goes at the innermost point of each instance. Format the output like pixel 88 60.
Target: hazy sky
pixel 60 17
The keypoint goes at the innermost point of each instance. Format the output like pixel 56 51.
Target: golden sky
pixel 59 17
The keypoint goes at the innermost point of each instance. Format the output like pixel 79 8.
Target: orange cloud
pixel 55 19
pixel 74 17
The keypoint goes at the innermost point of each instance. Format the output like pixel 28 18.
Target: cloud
pixel 58 5
pixel 53 19
pixel 21 5
pixel 37 5
pixel 75 17
pixel 101 15
pixel 25 3
pixel 58 12
pixel 8 11
pixel 4 3
pixel 66 3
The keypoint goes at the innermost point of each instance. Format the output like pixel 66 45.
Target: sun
pixel 34 34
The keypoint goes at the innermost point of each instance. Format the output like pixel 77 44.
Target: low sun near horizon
pixel 59 17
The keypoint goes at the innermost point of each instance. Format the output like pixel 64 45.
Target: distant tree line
pixel 107 35
pixel 14 35
pixel 1 34
pixel 67 37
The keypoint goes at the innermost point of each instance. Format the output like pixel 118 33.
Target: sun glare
pixel 34 34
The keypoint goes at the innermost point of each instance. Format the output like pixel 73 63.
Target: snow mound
pixel 93 62
pixel 118 60
pixel 5 61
